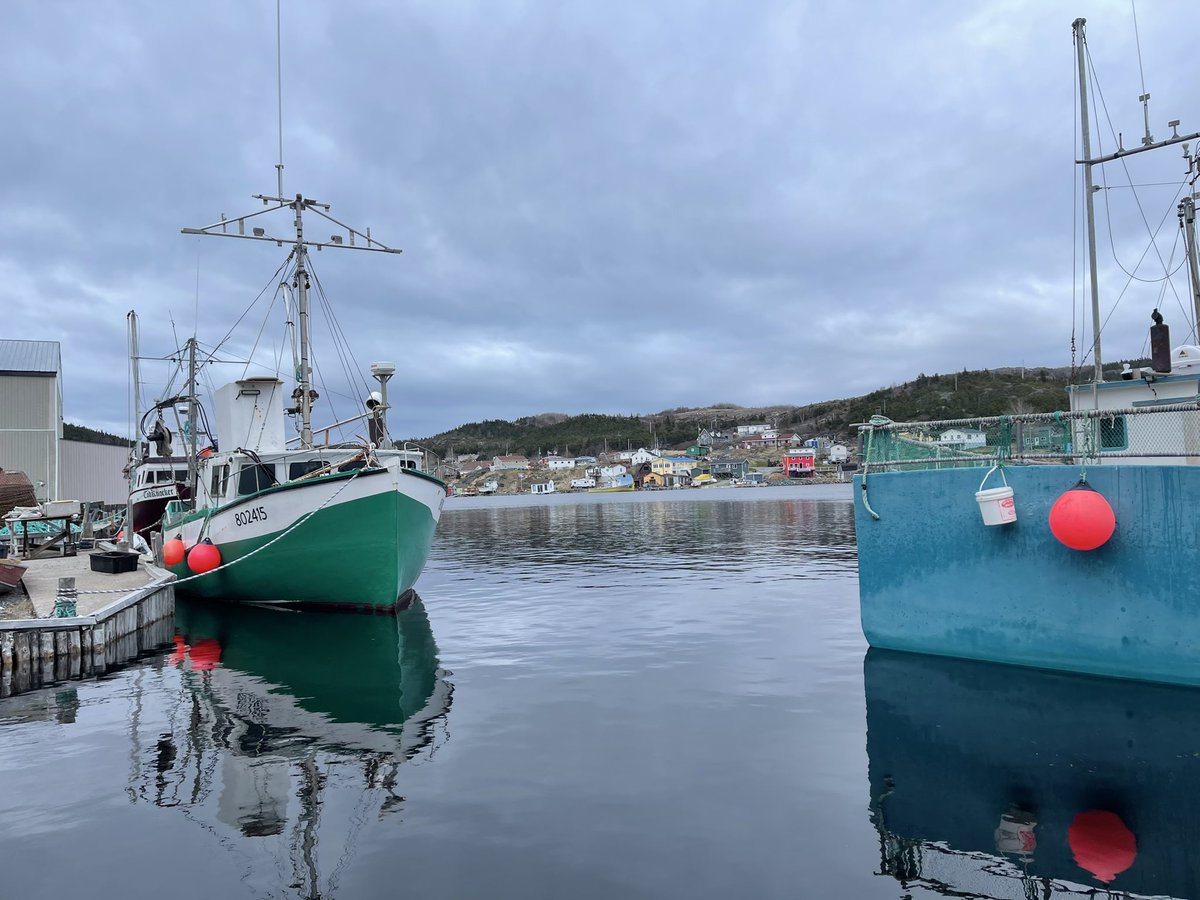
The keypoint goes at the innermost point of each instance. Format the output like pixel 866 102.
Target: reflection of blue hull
pixel 955 744
pixel 934 579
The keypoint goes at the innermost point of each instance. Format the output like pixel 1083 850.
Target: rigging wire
pixel 1099 103
pixel 350 367
pixel 273 280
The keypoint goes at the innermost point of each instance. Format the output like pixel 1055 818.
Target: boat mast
pixel 1187 221
pixel 1089 190
pixel 135 456
pixel 193 468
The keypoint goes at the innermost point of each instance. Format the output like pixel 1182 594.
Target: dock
pixel 118 617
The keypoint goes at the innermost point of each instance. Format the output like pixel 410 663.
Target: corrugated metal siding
pixel 92 472
pixel 30 356
pixel 31 452
pixel 29 401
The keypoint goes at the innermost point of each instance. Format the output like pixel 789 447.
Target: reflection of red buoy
pixel 173 552
pixel 205 654
pixel 1081 518
pixel 179 654
pixel 204 557
pixel 1101 843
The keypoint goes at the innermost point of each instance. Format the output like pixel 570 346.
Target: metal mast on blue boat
pixel 1148 143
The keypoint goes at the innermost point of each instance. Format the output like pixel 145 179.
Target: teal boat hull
pixel 934 579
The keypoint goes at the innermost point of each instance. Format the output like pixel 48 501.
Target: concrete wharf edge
pixel 43 651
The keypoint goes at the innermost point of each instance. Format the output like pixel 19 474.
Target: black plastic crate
pixel 113 562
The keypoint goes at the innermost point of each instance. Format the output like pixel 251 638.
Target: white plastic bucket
pixel 996 505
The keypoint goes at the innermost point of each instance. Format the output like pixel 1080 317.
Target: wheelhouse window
pixel 220 477
pixel 256 477
pixel 302 468
pixel 1114 434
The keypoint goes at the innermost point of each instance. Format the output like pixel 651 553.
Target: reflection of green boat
pixel 349 681
pixel 997 781
pixel 289 731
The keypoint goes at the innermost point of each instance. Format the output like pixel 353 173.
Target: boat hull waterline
pixel 366 546
pixel 934 579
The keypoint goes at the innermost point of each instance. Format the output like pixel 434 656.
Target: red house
pixel 799 462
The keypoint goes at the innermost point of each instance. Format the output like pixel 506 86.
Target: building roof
pixel 40 357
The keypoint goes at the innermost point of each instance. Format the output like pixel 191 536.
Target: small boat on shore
pixel 619 483
pixel 11 573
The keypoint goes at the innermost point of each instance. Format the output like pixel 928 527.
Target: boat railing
pixel 1152 434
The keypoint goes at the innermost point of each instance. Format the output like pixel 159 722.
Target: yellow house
pixel 654 479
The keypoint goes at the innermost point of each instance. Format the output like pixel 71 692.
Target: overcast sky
pixel 604 207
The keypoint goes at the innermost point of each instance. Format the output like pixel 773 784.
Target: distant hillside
pixel 91 435
pixel 988 392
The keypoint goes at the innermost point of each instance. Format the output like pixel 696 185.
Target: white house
pixel 558 462
pixel 964 438
pixel 511 461
pixel 613 471
pixel 839 453
pixel 747 430
pixel 643 456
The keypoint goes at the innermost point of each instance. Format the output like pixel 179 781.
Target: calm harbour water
pixel 650 695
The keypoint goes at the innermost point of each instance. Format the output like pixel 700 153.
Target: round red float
pixel 204 557
pixel 1081 518
pixel 1101 843
pixel 174 551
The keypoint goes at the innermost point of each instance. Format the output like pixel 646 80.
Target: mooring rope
pixel 875 420
pixel 253 552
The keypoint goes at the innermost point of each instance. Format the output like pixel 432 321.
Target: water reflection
pixel 999 781
pixel 289 729
pixel 632 531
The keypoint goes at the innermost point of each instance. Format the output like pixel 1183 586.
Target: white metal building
pixel 31 412
pixel 93 473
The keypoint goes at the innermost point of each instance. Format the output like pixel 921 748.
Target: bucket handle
pixel 989 475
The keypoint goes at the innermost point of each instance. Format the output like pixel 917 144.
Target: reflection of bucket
pixel 996 505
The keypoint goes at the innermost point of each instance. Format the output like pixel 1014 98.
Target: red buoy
pixel 204 557
pixel 1081 518
pixel 174 551
pixel 1101 843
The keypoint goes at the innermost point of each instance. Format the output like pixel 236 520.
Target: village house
pixel 728 467
pixel 799 462
pixel 762 441
pixel 747 430
pixel 963 438
pixel 511 461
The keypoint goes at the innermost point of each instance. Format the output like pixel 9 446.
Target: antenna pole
pixel 279 92
pixel 1089 190
pixel 1187 221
